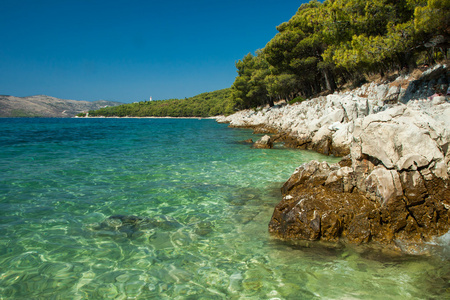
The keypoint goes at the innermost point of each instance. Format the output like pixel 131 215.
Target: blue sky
pixel 130 50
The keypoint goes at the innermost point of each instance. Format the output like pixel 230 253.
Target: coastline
pixel 198 118
pixel 394 137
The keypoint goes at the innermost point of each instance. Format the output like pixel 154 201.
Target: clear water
pixel 207 200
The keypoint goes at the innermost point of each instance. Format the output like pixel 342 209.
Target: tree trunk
pixel 330 83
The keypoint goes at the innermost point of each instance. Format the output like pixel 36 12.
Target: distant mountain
pixel 46 106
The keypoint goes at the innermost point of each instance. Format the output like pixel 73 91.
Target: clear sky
pixel 129 50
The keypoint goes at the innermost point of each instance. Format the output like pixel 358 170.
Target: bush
pixel 298 99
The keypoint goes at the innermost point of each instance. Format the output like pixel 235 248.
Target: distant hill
pixel 46 106
pixel 203 105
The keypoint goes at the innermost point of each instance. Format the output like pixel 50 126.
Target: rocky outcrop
pixel 393 186
pixel 319 202
pixel 396 190
pixel 362 203
pixel 326 124
pixel 264 143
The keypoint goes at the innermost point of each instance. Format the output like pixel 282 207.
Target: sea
pixel 171 209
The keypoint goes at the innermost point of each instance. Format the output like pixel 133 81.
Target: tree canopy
pixel 329 43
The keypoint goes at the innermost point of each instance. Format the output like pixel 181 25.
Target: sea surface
pixel 190 207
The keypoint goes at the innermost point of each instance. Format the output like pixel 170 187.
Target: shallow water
pixel 204 200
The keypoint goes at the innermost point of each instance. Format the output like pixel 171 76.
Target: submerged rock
pixel 248 141
pixel 128 225
pixel 133 226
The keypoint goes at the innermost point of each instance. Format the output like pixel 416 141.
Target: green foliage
pixel 432 17
pixel 298 99
pixel 338 41
pixel 382 34
pixel 282 86
pixel 249 88
pixel 203 105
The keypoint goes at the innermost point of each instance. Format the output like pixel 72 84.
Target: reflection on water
pixel 148 210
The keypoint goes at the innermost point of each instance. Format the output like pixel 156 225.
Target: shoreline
pixel 198 118
pixel 392 185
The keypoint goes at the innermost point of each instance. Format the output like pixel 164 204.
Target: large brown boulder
pixel 315 206
pixel 322 202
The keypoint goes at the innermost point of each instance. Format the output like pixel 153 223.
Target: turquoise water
pixel 204 201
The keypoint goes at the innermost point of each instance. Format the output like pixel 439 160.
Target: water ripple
pixel 202 203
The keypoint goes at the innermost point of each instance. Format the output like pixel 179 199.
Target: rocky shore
pixel 392 185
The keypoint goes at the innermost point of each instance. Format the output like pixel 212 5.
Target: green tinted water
pixel 205 201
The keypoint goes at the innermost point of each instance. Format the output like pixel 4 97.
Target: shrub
pixel 298 99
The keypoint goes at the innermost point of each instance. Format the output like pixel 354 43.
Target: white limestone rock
pixel 384 185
